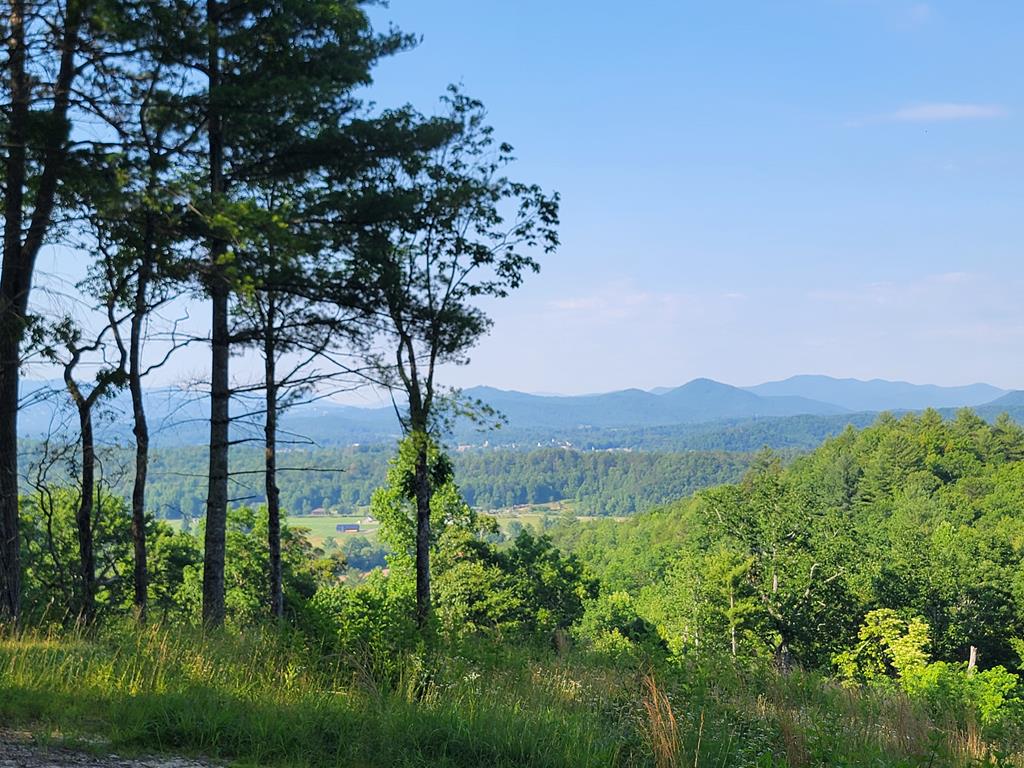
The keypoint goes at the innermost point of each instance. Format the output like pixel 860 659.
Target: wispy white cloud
pixel 623 302
pixel 944 111
pixel 617 302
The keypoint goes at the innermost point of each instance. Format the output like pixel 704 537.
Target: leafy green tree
pixel 551 584
pixel 362 555
pixel 372 625
pixel 304 570
pixel 457 231
pixel 54 584
pixel 803 594
pixel 530 589
pixel 394 505
pixel 56 588
pixel 171 556
pixel 888 645
pixel 612 625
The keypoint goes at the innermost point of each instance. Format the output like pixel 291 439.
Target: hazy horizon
pixel 368 397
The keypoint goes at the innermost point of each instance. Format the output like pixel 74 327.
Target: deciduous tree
pixel 456 230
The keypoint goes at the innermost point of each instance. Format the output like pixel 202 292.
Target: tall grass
pixel 260 697
pixel 662 728
pixel 264 697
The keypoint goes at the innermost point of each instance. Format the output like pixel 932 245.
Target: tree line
pixel 357 598
pixel 343 480
pixel 174 150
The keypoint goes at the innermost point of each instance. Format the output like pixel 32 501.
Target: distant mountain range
pixel 700 400
pixel 878 394
pixel 701 407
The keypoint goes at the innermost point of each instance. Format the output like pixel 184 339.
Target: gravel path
pixel 18 751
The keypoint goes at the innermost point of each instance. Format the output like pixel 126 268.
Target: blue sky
pixel 750 189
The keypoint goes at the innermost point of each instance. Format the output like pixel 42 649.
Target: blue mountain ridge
pixel 179 417
pixel 879 394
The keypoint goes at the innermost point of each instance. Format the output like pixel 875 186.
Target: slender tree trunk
pixel 140 571
pixel 217 498
pixel 220 393
pixel 783 656
pixel 20 247
pixel 423 492
pixel 84 516
pixel 14 282
pixel 270 442
pixel 10 567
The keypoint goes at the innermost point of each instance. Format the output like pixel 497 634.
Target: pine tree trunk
pixel 14 284
pixel 270 444
pixel 21 245
pixel 732 620
pixel 84 516
pixel 140 572
pixel 10 566
pixel 217 496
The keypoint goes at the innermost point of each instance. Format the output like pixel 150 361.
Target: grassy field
pixel 261 697
pixel 322 527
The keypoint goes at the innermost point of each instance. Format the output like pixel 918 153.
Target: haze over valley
pixel 640 419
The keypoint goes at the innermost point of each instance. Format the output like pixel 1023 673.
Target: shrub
pixel 612 626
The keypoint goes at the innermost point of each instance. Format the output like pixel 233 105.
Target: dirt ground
pixel 18 750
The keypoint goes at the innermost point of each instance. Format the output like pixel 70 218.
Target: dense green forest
pixel 343 479
pixel 741 435
pixel 894 552
pixel 786 433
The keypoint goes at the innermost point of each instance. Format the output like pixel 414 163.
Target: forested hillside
pixel 914 525
pixel 343 479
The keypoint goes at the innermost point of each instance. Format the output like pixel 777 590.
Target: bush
pixel 992 696
pixel 893 649
pixel 370 625
pixel 611 626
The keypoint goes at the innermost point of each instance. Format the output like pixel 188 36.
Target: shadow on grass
pixel 326 729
